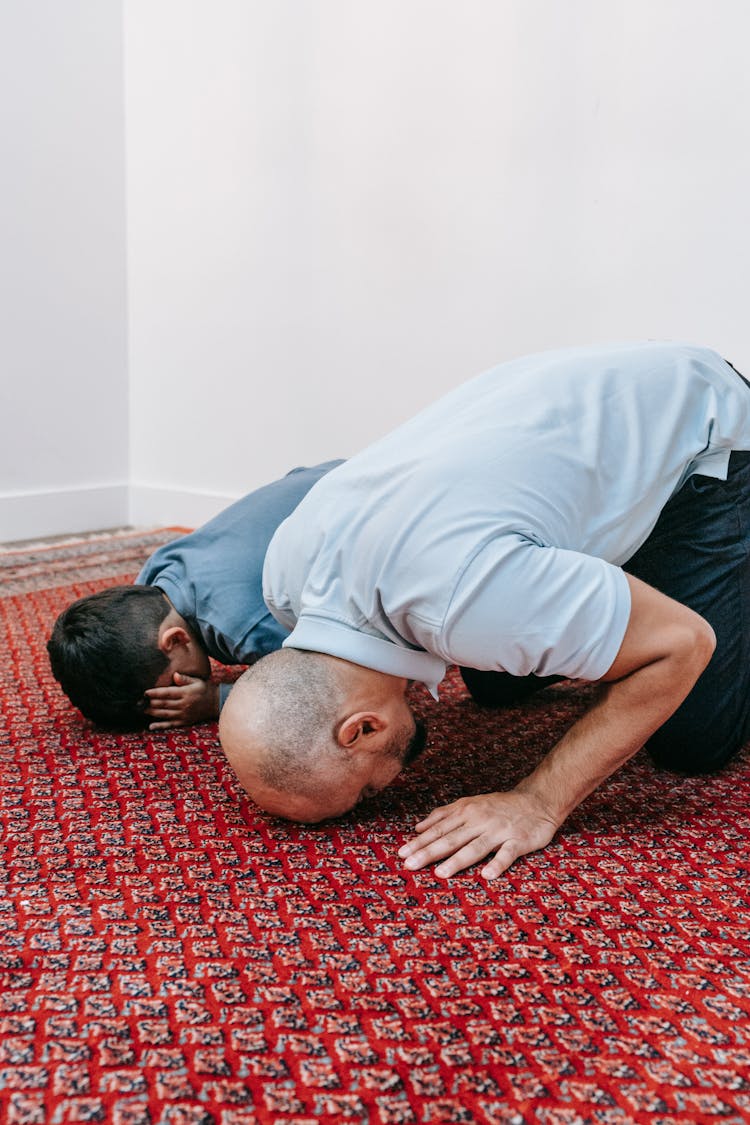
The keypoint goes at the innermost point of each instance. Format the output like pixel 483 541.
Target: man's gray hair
pixel 296 697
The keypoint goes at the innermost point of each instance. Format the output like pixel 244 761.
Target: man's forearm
pixel 665 649
pixel 614 728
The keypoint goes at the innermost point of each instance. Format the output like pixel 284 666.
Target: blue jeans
pixel 698 554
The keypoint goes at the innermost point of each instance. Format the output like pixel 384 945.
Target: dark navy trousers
pixel 698 554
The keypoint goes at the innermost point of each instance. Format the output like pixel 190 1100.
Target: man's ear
pixel 356 731
pixel 172 638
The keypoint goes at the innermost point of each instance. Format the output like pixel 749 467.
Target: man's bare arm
pixel 665 649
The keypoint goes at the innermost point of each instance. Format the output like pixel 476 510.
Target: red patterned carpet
pixel 168 956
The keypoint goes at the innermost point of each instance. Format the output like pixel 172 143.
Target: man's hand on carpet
pixel 187 700
pixel 468 830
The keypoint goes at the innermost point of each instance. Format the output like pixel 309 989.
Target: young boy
pixel 136 656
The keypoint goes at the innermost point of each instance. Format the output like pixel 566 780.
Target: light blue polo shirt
pixel 490 530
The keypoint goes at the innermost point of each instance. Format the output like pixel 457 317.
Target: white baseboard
pixel 68 511
pixel 172 507
pixel 65 511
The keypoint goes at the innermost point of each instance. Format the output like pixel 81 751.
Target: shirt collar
pixel 321 634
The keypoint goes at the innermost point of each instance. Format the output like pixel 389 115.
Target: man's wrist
pixel 533 787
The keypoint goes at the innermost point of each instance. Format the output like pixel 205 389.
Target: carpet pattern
pixel 169 956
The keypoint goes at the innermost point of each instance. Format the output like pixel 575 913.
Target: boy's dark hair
pixel 104 653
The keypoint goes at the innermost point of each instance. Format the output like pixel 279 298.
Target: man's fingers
pixel 427 836
pixel 467 856
pixel 435 817
pixel 504 857
pixel 441 844
pixel 430 829
pixel 463 849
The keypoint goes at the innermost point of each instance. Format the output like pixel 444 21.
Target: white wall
pixel 63 339
pixel 338 210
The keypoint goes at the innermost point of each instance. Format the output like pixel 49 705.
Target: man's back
pixel 496 511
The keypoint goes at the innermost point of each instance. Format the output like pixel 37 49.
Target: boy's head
pixel 107 649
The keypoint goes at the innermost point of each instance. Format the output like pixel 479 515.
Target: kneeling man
pixel 581 513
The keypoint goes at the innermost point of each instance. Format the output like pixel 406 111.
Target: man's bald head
pixel 309 735
pixel 279 715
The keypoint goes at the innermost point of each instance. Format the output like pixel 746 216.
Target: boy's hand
pixel 187 700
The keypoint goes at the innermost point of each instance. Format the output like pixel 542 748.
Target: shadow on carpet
pixel 169 956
